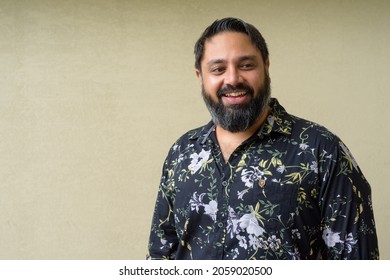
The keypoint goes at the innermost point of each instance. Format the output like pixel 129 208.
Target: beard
pixel 239 117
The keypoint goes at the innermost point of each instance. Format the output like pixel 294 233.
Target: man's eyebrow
pixel 216 61
pixel 247 57
pixel 241 58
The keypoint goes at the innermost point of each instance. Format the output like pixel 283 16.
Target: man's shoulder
pixel 313 132
pixel 299 127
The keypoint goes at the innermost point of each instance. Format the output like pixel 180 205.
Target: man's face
pixel 234 80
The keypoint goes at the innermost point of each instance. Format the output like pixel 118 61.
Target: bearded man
pixel 257 182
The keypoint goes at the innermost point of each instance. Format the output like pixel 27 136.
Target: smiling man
pixel 257 182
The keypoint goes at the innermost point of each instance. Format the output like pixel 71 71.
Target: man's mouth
pixel 234 94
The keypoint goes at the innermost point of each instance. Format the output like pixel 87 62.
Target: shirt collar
pixel 278 121
pixel 203 133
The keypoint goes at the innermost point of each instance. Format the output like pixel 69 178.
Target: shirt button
pixel 220 224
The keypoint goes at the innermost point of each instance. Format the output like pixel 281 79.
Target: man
pixel 257 182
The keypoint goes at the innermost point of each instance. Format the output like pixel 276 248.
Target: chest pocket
pixel 276 203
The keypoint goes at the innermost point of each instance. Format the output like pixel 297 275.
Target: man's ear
pixel 266 66
pixel 199 76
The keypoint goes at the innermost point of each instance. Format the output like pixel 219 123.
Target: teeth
pixel 235 94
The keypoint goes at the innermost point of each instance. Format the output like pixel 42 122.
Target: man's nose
pixel 232 76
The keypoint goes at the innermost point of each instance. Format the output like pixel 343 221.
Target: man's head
pixel 232 66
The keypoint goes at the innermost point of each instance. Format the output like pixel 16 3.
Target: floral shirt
pixel 291 191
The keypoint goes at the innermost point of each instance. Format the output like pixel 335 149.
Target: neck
pixel 229 141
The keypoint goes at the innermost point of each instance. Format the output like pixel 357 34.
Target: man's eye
pixel 218 70
pixel 247 66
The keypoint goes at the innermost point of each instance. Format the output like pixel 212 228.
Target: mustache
pixel 239 87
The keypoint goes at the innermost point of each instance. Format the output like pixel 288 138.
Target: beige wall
pixel 93 93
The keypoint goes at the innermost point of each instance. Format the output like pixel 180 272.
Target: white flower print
pixel 232 223
pixel 263 244
pixel 314 167
pixel 251 176
pixel 274 243
pixel 349 242
pixel 235 253
pixel 295 233
pixel 303 146
pixel 242 241
pixel 253 242
pixel 295 255
pixel 251 224
pixel 241 194
pixel 211 209
pixel 330 237
pixel 281 169
pixel 198 160
pixel 257 242
pixel 196 201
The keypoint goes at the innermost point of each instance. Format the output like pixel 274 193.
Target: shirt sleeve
pixel 163 239
pixel 348 227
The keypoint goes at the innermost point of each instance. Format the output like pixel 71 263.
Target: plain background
pixel 93 94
